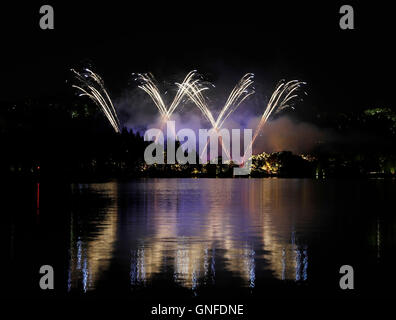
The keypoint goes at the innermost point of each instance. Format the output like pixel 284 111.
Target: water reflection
pixel 196 230
pixel 91 252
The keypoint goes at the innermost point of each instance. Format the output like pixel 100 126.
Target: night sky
pixel 345 69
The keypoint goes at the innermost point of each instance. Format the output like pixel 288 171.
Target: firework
pixel 242 90
pixel 281 98
pixel 147 84
pixel 92 86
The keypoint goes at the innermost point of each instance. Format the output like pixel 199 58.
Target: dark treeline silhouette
pixel 73 140
pixel 64 140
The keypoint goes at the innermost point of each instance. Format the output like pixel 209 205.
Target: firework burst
pixel 92 86
pixel 242 90
pixel 147 84
pixel 284 94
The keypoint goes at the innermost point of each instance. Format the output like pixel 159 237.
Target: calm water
pixel 201 236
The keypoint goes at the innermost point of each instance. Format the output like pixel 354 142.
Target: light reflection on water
pixel 91 256
pixel 196 230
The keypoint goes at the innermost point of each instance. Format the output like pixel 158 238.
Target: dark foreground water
pixel 159 239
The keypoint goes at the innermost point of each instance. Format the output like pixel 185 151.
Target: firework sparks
pixel 239 93
pixel 93 87
pixel 147 84
pixel 284 93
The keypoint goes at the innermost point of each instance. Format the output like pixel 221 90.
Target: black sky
pixel 346 69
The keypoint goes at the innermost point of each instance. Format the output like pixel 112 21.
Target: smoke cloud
pixel 288 134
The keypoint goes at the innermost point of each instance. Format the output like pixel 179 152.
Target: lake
pixel 203 237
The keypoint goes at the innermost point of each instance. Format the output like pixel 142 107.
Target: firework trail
pixel 284 93
pixel 242 90
pixel 92 86
pixel 148 85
